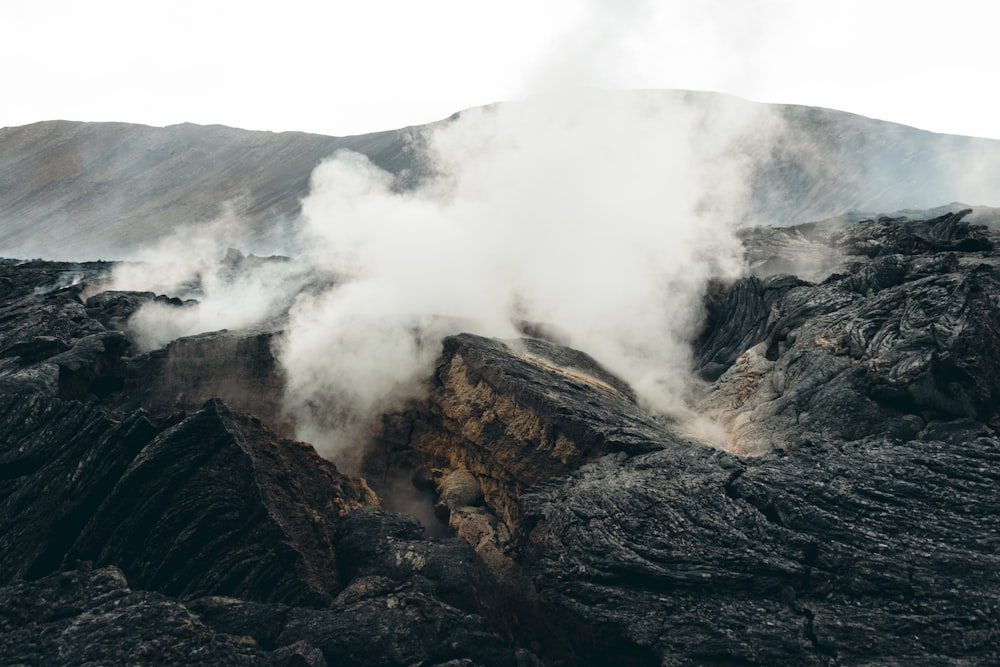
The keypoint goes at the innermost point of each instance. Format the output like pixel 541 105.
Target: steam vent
pixel 183 482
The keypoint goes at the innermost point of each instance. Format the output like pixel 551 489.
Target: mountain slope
pixel 102 190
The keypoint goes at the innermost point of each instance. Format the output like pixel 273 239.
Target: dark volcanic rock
pixel 407 601
pixel 737 319
pixel 59 460
pixel 237 366
pixel 213 505
pixel 405 629
pixel 866 552
pixel 900 236
pixel 54 343
pixel 48 341
pixel 93 618
pixel 113 308
pixel 267 535
pixel 906 334
pixel 866 533
pixel 410 601
pixel 19 279
pixel 505 417
pixel 873 542
pixel 372 543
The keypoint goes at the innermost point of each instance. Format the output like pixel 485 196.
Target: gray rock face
pixel 200 508
pixel 237 366
pixel 905 334
pixel 93 618
pixel 872 552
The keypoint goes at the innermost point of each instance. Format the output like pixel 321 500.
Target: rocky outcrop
pixel 113 308
pixel 48 342
pixel 214 505
pixel 238 366
pixel 94 618
pixel 863 530
pixel 56 340
pixel 408 601
pixel 866 534
pixel 514 414
pixel 238 547
pixel 900 341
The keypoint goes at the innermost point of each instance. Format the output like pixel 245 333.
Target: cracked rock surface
pixel 854 520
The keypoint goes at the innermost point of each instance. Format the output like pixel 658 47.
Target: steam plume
pixel 223 294
pixel 602 214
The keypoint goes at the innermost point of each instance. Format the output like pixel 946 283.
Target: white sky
pixel 346 67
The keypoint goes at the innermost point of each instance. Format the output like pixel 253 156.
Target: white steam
pixel 188 264
pixel 601 214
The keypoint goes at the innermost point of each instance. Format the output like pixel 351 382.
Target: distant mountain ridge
pixel 71 190
pixel 100 189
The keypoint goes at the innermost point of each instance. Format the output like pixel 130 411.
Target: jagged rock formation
pixel 239 366
pixel 872 551
pixel 215 539
pixel 873 541
pixel 79 618
pixel 80 486
pixel 900 341
pixel 48 342
pixel 866 531
pixel 500 413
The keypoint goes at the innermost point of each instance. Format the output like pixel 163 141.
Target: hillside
pixel 92 190
pixel 80 191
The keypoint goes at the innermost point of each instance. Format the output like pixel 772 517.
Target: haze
pixel 347 68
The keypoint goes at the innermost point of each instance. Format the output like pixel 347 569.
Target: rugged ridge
pixel 900 340
pixel 213 539
pixel 695 557
pixel 239 366
pixel 214 505
pixel 66 619
pixel 500 411
pixel 864 530
pixel 57 172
